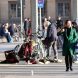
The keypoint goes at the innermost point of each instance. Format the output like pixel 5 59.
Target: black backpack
pixel 11 57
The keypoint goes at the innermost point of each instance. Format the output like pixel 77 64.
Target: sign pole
pixel 34 17
pixel 21 20
pixel 40 5
pixel 40 20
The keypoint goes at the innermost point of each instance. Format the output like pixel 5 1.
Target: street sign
pixel 40 3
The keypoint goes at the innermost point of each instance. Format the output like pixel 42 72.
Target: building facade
pixel 10 9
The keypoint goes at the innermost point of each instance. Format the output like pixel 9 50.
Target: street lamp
pixel 21 15
pixel 21 5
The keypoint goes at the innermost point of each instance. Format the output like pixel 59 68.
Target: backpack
pixel 11 57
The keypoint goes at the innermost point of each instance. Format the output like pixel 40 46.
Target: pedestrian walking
pixel 25 26
pixel 44 35
pixel 70 37
pixel 52 40
pixel 29 32
pixel 59 24
pixel 50 19
pixel 45 27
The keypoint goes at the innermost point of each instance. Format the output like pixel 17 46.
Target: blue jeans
pixel 54 46
pixel 8 37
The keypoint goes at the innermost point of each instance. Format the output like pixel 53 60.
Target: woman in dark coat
pixel 70 37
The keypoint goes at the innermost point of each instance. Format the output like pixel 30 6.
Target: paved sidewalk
pixel 15 76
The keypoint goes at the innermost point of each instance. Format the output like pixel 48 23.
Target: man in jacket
pixel 52 40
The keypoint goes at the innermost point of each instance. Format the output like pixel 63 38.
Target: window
pixel 67 9
pixel 19 12
pixel 12 9
pixel 19 7
pixel 60 9
pixel 63 8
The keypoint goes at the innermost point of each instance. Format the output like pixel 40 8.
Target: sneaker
pixel 47 62
pixel 29 62
pixel 57 60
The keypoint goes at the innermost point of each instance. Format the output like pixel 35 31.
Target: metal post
pixel 21 20
pixel 34 16
pixel 40 20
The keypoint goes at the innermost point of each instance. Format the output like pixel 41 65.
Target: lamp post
pixel 34 16
pixel 21 19
pixel 21 14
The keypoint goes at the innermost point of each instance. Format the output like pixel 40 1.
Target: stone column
pixel 74 9
pixel 34 15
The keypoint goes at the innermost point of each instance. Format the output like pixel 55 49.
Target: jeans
pixel 54 46
pixel 8 37
pixel 60 41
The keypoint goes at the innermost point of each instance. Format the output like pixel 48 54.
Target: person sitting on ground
pixel 6 33
pixel 11 29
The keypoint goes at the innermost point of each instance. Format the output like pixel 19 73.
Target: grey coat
pixel 52 32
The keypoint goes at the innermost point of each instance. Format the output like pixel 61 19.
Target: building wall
pixel 51 9
pixel 74 6
pixel 27 9
pixel 0 11
pixel 4 9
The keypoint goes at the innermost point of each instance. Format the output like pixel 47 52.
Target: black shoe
pixel 71 69
pixel 67 69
